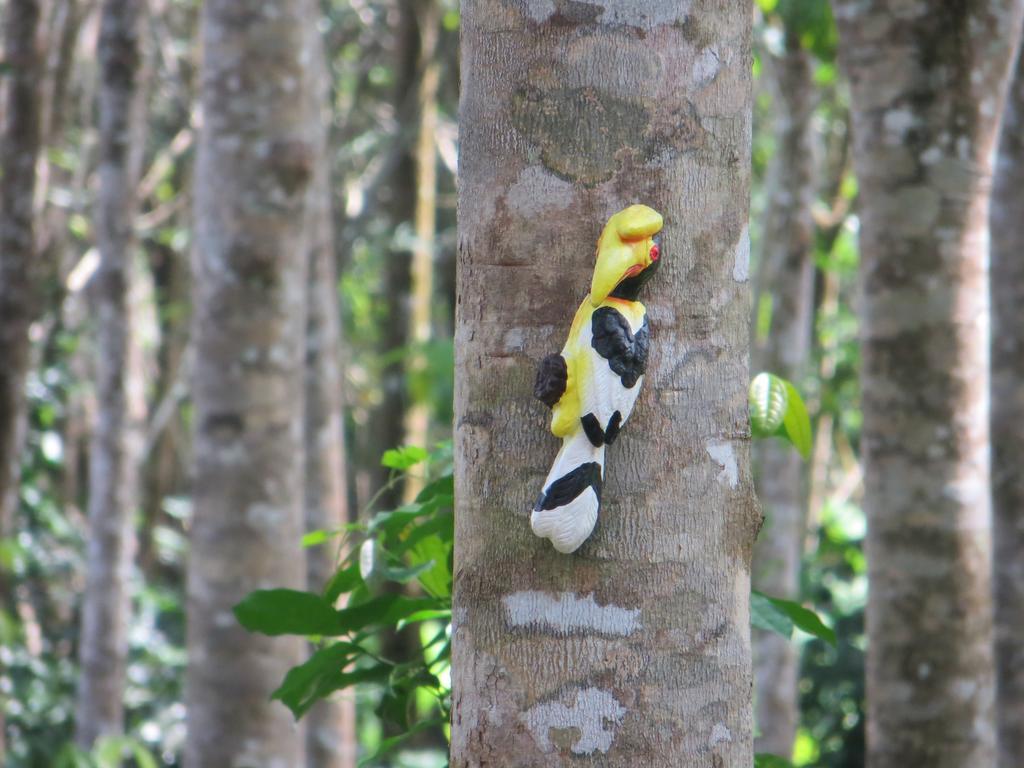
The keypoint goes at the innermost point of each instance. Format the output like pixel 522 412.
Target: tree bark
pixel 19 148
pixel 928 86
pixel 636 649
pixel 421 294
pixel 116 435
pixel 387 422
pixel 331 724
pixel 1007 283
pixel 787 273
pixel 256 157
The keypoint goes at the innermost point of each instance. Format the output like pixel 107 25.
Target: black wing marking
pixel 552 378
pixel 571 485
pixel 593 430
pixel 614 341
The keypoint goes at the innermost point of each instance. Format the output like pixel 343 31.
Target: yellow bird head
pixel 625 252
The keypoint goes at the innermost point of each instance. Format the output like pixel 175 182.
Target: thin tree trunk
pixel 787 274
pixel 1007 421
pixel 636 649
pixel 116 435
pixel 387 424
pixel 256 158
pixel 331 724
pixel 928 86
pixel 421 295
pixel 19 148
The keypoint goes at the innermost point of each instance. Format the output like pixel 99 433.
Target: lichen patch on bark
pixel 722 454
pixel 568 613
pixel 594 715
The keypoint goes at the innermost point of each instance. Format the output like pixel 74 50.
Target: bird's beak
pixel 619 251
pixel 613 265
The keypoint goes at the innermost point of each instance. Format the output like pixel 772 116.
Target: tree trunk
pixel 1007 422
pixel 256 156
pixel 331 724
pixel 387 424
pixel 636 649
pixel 116 441
pixel 421 295
pixel 787 273
pixel 19 148
pixel 928 87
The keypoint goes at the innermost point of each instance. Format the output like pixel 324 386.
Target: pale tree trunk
pixel 256 157
pixel 1007 422
pixel 928 86
pixel 116 435
pixel 421 294
pixel 787 274
pixel 636 649
pixel 19 148
pixel 331 724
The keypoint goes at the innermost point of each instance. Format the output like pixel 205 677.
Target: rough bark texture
pixel 331 724
pixel 1007 421
pixel 635 650
pixel 256 157
pixel 927 91
pixel 116 434
pixel 787 274
pixel 19 147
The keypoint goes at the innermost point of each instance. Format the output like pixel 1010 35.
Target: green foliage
pixel 409 546
pixel 778 410
pixel 288 612
pixel 780 616
pixel 109 752
pixel 810 22
pixel 764 760
pixel 405 457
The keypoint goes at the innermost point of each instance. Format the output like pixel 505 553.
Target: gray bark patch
pixel 594 715
pixel 567 614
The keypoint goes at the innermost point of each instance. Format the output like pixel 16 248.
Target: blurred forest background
pixel 102 121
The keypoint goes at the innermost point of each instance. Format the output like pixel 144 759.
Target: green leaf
pixel 383 611
pixel 288 612
pixel 805 619
pixel 419 616
pixel 443 486
pixel 764 760
pixel 404 457
pixel 344 580
pixel 313 538
pixel 443 526
pixel 437 580
pixel 71 756
pixel 387 745
pixel 767 399
pixel 143 757
pixel 403 575
pixel 392 521
pixel 301 682
pixel 336 680
pixel 796 421
pixel 764 615
pixel 778 615
pixel 776 409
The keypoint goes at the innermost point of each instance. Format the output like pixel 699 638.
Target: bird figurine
pixel 592 385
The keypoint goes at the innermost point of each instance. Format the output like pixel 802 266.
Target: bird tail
pixel 566 511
